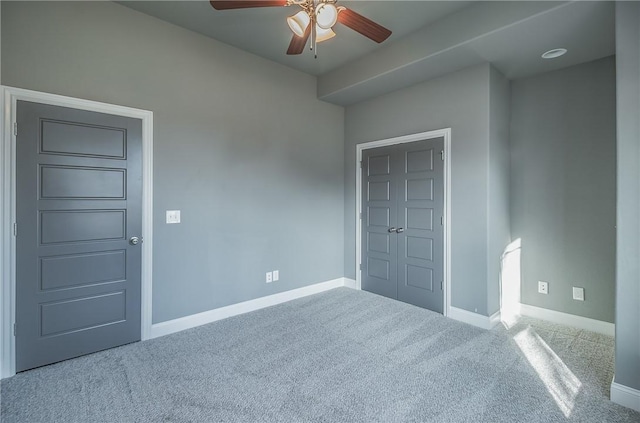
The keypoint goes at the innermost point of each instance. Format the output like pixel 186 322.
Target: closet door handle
pixel 399 230
pixel 391 230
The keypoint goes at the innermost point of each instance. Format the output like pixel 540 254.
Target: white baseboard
pixel 475 319
pixel 194 320
pixel 350 283
pixel 494 319
pixel 623 395
pixel 579 322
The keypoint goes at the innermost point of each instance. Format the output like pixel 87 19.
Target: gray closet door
pixel 379 207
pixel 78 201
pixel 402 235
pixel 420 235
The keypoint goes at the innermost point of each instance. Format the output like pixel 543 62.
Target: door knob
pixel 399 230
pixel 134 240
pixel 391 230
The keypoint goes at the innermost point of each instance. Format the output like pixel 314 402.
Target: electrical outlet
pixel 269 277
pixel 543 287
pixel 173 216
pixel 276 275
pixel 578 293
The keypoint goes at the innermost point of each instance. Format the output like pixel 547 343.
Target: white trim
pixel 194 320
pixel 10 96
pixel 625 396
pixel 350 283
pixel 446 134
pixel 572 320
pixel 494 319
pixel 475 319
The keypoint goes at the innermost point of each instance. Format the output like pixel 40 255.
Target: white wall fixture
pixel 543 287
pixel 173 216
pixel 556 52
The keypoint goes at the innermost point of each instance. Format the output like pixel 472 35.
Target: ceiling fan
pixel 315 20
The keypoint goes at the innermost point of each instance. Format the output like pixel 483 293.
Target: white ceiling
pixel 430 38
pixel 510 35
pixel 264 31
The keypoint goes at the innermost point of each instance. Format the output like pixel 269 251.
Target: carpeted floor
pixel 339 356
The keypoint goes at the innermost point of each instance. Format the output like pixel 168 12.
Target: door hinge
pixel 15 229
pixel 361 266
pixel 361 215
pixel 441 285
pixel 441 220
pixel 442 155
pixel 15 330
pixel 15 128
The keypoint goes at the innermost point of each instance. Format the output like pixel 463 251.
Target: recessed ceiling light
pixel 552 54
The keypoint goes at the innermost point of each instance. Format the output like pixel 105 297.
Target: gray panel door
pixel 414 241
pixel 420 234
pixel 379 207
pixel 79 197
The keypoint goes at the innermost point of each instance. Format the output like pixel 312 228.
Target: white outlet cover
pixel 543 287
pixel 578 293
pixel 269 277
pixel 173 216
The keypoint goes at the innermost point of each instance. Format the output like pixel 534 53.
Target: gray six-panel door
pixel 78 203
pixel 402 254
pixel 379 206
pixel 420 230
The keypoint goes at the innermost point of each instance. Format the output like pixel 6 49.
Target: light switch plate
pixel 578 293
pixel 173 216
pixel 276 275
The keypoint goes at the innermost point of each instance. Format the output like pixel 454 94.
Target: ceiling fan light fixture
pixel 324 34
pixel 299 23
pixel 326 15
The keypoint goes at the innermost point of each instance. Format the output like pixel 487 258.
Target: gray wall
pixel 459 101
pixel 628 210
pixel 563 141
pixel 498 225
pixel 259 182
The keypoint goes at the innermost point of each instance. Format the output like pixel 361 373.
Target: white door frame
pixel 446 133
pixel 9 97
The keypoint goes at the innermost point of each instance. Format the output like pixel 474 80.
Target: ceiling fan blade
pixel 364 26
pixel 245 4
pixel 297 43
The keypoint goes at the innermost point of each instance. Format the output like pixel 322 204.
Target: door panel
pixel 59 182
pixel 65 316
pixel 82 139
pixel 79 197
pixel 378 193
pixel 402 234
pixel 420 246
pixel 57 272
pixel 63 226
pixel 418 277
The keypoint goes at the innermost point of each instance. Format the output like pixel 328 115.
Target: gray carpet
pixel 339 356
